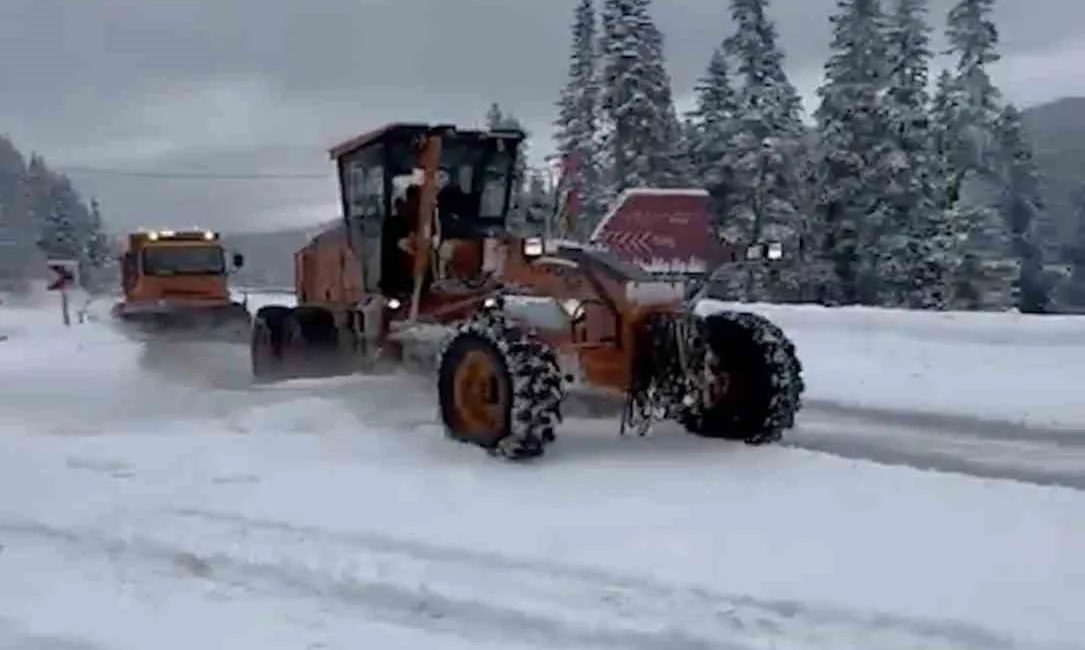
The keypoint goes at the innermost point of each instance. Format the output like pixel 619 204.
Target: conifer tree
pixel 637 114
pixel 916 247
pixel 1022 207
pixel 709 129
pixel 988 271
pixel 577 123
pixel 765 146
pixel 853 149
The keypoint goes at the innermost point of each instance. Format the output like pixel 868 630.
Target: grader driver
pixel 515 323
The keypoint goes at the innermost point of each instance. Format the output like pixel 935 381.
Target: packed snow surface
pixel 146 507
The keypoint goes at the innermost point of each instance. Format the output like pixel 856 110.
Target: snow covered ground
pixel 1010 367
pixel 168 511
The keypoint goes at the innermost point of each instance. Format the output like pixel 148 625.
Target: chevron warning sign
pixel 659 227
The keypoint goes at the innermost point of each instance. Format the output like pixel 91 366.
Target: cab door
pixel 366 205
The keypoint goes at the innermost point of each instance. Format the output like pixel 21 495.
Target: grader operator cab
pixel 423 259
pixel 174 283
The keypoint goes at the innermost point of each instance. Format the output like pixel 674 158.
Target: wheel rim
pixel 479 395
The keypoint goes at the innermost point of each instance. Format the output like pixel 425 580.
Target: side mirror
pixel 239 260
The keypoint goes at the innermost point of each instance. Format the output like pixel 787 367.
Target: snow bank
pixel 1020 368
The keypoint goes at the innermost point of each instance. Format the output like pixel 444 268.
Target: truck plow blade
pixel 187 322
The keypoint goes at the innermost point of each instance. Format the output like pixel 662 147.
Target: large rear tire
pixel 752 378
pixel 499 388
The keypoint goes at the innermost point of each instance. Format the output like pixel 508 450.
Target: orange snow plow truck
pixel 175 284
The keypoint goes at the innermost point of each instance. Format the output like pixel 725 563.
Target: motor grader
pixel 174 285
pixel 514 324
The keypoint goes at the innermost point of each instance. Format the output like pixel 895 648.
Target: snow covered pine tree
pixel 917 244
pixel 853 149
pixel 637 111
pixel 578 118
pixel 766 146
pixel 1022 207
pixel 987 274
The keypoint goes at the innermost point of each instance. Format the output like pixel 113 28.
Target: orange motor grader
pixel 515 324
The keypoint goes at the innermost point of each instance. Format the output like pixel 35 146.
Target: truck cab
pixel 183 266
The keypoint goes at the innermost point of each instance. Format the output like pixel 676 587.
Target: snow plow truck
pixel 512 325
pixel 175 286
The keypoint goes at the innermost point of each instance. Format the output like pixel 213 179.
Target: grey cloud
pixel 267 85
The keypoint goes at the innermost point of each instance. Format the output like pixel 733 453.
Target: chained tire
pixel 273 327
pixel 752 380
pixel 499 388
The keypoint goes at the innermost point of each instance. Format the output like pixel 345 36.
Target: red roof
pixel 660 228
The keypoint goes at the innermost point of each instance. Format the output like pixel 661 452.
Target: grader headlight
pixel 534 247
pixel 574 309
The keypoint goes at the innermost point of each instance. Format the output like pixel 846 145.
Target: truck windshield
pixel 183 260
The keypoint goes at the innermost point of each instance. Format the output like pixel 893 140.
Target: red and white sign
pixel 65 271
pixel 660 228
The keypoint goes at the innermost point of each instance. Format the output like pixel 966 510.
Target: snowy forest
pixel 907 186
pixel 42 216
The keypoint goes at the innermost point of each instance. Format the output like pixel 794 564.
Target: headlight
pixel 533 247
pixel 754 252
pixel 394 304
pixel 153 236
pixel 775 251
pixel 208 235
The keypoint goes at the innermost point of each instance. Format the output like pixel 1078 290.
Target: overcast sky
pixel 265 86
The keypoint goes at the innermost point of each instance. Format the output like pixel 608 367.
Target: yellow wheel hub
pixel 479 395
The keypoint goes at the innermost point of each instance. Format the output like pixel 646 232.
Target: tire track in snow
pixel 474 594
pixel 957 424
pixel 1024 459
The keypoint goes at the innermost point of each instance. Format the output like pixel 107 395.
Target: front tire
pixel 752 380
pixel 499 388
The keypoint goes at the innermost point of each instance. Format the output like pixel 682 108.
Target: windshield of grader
pixel 482 170
pixel 183 260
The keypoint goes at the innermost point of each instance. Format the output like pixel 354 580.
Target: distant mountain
pixel 1058 133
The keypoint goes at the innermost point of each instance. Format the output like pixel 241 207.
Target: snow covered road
pixel 175 506
pixel 656 547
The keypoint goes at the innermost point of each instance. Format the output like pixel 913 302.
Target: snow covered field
pixel 169 511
